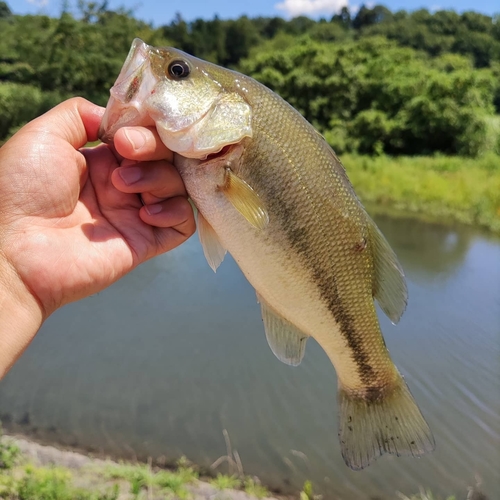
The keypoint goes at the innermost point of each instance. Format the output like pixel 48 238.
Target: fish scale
pixel 270 190
pixel 331 245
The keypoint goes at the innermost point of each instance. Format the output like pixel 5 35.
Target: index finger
pixel 75 120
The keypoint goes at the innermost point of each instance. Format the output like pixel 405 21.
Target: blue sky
pixel 160 12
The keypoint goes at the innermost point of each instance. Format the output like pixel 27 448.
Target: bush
pixel 9 453
pixel 374 97
pixel 21 103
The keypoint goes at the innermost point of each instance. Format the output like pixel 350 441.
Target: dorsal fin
pixel 389 284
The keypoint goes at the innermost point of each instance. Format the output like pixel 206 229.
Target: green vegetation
pixel 142 477
pixel 41 483
pixel 9 454
pixel 440 188
pixel 22 481
pixel 99 480
pixel 371 96
pixel 307 492
pixel 250 485
pixel 222 481
pixel 417 93
pixel 253 487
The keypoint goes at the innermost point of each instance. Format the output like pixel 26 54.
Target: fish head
pixel 197 107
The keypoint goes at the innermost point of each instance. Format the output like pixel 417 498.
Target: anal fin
pixel 287 342
pixel 212 247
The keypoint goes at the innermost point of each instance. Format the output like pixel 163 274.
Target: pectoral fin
pixel 245 200
pixel 212 247
pixel 286 341
pixel 389 285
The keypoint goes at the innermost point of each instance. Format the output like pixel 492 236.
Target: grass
pixel 143 478
pixel 253 487
pixel 307 492
pixel 223 482
pixel 21 480
pixel 445 188
pixel 43 483
pixel 9 454
pixel 236 478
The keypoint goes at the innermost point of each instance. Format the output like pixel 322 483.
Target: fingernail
pixel 136 138
pixel 153 209
pixel 130 175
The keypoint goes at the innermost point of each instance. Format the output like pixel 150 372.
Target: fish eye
pixel 179 69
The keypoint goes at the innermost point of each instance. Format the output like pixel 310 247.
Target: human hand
pixel 71 221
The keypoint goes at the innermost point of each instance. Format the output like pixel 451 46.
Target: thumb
pixel 76 121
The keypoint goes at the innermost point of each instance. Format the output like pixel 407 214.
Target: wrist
pixel 20 316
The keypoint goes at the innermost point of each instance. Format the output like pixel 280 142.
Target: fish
pixel 269 190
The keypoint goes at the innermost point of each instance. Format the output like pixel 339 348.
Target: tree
pixel 343 18
pixel 91 12
pixel 5 10
pixel 241 36
pixel 381 97
pixel 367 17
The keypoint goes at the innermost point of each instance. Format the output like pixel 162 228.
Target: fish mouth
pixel 103 134
pixel 116 116
pixel 124 104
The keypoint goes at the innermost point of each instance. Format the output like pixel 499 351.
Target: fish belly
pixel 279 276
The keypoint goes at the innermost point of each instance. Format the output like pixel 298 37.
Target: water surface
pixel 160 363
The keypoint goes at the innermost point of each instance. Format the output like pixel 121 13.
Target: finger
pixel 175 213
pixel 76 121
pixel 174 220
pixel 102 163
pixel 157 178
pixel 141 143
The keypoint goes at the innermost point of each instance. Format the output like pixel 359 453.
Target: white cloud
pixel 39 3
pixel 310 7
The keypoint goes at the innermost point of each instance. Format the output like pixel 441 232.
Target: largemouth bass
pixel 271 191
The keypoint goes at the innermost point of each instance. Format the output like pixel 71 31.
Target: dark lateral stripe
pixel 329 292
pixel 301 240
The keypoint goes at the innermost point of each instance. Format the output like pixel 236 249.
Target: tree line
pixel 374 82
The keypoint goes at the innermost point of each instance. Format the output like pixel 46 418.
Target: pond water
pixel 164 360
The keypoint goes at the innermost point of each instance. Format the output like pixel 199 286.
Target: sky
pixel 160 12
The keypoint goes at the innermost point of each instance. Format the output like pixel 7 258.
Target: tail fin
pixel 370 427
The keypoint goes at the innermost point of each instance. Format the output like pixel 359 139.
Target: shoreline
pixel 106 478
pixel 105 473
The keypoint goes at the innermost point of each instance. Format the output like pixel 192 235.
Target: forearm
pixel 20 317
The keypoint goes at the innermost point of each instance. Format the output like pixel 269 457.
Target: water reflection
pixel 163 361
pixel 425 249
